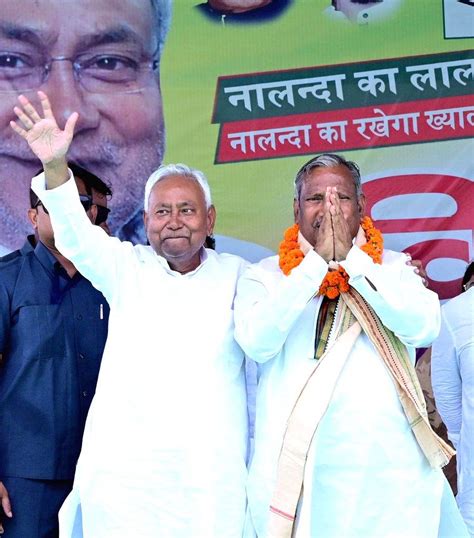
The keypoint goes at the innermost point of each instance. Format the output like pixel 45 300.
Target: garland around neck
pixel 336 281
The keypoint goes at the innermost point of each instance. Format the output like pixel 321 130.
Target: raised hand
pixel 341 233
pixel 324 237
pixel 47 141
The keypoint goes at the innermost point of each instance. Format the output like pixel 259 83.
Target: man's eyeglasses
pixel 96 73
pixel 86 202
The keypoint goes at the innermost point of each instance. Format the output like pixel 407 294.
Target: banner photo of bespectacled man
pixel 247 91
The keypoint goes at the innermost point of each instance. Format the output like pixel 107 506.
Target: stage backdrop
pixel 248 100
pixel 249 103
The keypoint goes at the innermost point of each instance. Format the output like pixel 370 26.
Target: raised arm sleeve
pixel 446 381
pixel 452 371
pixel 96 256
pixel 397 295
pixel 466 441
pixel 268 304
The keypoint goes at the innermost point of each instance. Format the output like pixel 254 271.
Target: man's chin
pixel 172 246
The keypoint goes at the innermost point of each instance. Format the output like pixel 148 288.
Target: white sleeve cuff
pixel 313 267
pixel 68 189
pixel 357 264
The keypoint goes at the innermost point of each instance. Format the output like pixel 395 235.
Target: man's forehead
pixel 71 22
pixel 322 176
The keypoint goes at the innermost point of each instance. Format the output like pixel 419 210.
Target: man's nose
pixel 174 222
pixel 67 96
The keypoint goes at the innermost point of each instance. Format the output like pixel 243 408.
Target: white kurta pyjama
pixel 164 449
pixel 365 475
pixel 452 373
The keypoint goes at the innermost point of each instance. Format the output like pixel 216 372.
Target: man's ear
pixel 361 205
pixel 211 219
pixel 296 210
pixel 93 213
pixel 33 218
pixel 145 218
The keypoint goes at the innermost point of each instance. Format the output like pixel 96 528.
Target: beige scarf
pixel 352 315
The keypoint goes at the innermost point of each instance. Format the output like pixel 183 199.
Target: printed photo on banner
pixel 458 18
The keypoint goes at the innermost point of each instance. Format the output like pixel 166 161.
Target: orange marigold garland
pixel 374 245
pixel 290 252
pixel 335 281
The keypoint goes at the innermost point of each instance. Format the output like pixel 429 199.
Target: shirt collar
pixel 28 245
pixel 44 256
pixel 48 260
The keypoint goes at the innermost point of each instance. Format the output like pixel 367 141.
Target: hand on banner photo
pixel 47 141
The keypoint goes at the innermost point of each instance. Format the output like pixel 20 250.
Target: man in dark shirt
pixel 95 187
pixel 53 328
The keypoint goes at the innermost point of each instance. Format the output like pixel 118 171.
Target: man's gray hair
pixel 162 11
pixel 167 170
pixel 327 160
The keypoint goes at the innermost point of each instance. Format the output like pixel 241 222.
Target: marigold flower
pixel 337 281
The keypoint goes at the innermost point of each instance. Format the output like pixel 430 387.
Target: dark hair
pixel 33 198
pixel 210 242
pixel 91 181
pixel 162 13
pixel 327 160
pixel 467 275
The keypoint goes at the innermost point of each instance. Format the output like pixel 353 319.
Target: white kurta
pixel 365 475
pixel 452 373
pixel 164 449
